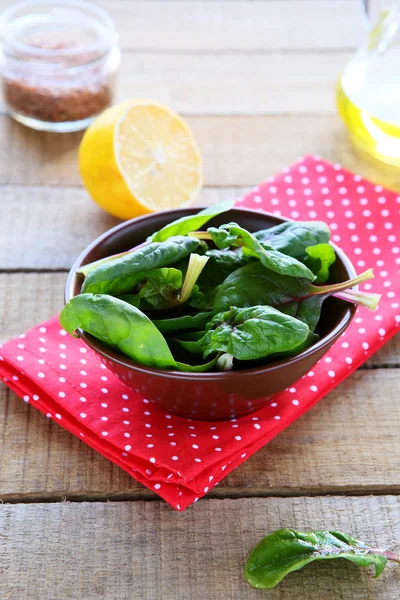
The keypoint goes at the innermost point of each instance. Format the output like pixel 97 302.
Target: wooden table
pixel 256 82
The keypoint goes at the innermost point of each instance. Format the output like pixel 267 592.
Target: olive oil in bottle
pixel 368 92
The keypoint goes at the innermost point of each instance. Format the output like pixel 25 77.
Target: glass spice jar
pixel 58 62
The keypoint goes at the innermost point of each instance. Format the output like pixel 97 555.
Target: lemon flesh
pixel 140 157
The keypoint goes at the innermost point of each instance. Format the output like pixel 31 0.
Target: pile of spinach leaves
pixel 197 300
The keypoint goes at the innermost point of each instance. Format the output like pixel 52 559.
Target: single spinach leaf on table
pixel 252 333
pixel 287 550
pixel 233 235
pixel 191 223
pixel 294 237
pixel 184 322
pixel 319 259
pixel 120 275
pixel 123 327
pixel 254 284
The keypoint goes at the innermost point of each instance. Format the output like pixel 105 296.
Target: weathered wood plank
pixel 237 150
pixel 329 450
pixel 233 83
pixel 201 25
pixel 28 299
pixel 145 550
pixel 236 83
pixel 47 227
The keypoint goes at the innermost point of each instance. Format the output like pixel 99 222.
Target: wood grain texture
pixel 120 551
pixel 326 451
pixel 237 150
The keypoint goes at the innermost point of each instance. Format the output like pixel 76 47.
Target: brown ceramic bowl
pixel 210 396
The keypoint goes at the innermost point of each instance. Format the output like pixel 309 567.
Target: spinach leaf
pixel 191 336
pixel 221 263
pixel 254 284
pixel 193 346
pixel 311 339
pixel 162 287
pixel 287 550
pixel 227 259
pixel 191 223
pixel 120 325
pixel 232 234
pixel 132 299
pixel 307 310
pixel 202 299
pixel 85 269
pixel 252 333
pixel 120 275
pixel 294 238
pixel 184 322
pixel 123 327
pixel 319 259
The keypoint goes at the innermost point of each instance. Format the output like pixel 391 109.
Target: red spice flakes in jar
pixel 58 77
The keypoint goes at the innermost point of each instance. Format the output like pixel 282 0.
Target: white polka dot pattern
pixel 181 459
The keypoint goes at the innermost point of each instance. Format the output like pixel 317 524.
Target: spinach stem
pixel 201 235
pixel 86 269
pixel 386 553
pixel 366 299
pixel 195 267
pixel 338 287
pixel 225 362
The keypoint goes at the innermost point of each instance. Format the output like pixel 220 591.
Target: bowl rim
pixel 122 360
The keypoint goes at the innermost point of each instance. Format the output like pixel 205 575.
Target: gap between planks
pixel 147 495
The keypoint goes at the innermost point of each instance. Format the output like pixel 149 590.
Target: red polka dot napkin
pixel 182 459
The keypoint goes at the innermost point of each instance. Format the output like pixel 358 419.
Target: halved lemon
pixel 140 157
